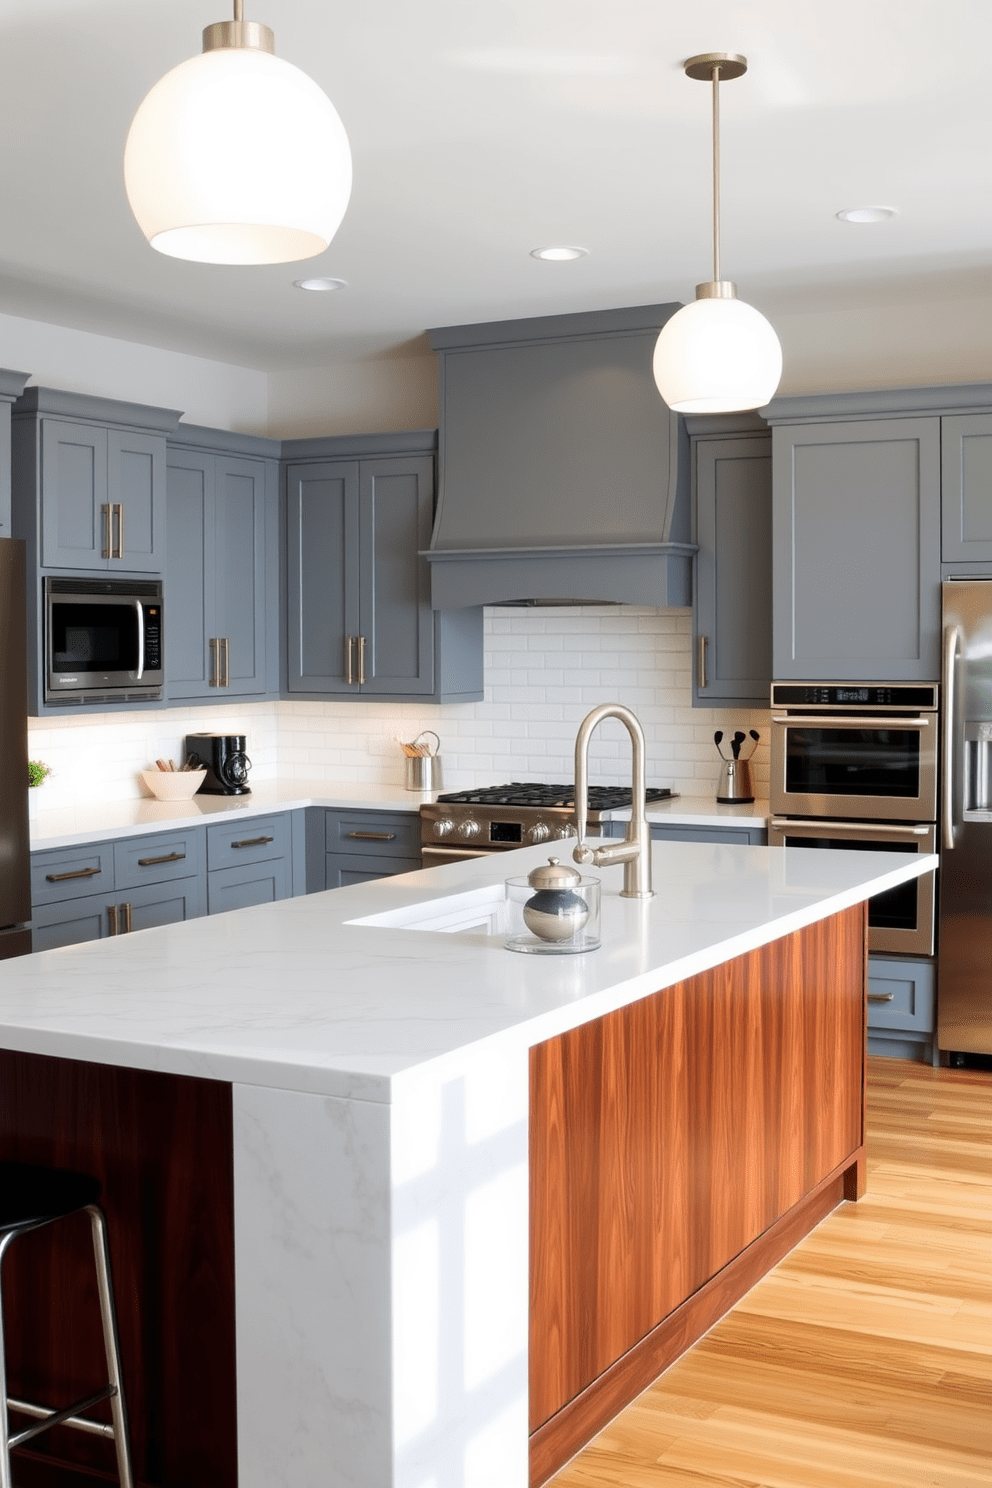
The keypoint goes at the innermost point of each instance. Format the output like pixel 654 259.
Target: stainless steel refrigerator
pixel 964 968
pixel 15 870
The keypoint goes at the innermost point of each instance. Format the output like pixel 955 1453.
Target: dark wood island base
pixel 680 1147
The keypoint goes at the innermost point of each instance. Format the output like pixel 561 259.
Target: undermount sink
pixel 479 909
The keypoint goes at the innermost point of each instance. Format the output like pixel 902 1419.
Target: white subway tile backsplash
pixel 545 668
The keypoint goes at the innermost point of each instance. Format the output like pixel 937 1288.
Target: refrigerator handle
pixel 952 639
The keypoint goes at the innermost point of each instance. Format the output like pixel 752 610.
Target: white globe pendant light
pixel 717 355
pixel 237 157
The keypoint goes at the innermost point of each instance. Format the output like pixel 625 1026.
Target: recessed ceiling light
pixel 320 286
pixel 558 255
pixel 866 214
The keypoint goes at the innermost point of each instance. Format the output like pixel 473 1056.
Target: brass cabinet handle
pixel 253 842
pixel 127 918
pixel 173 857
pixel 701 647
pixel 112 918
pixel 107 529
pixel 76 873
pixel 227 662
pixel 881 996
pixel 361 661
pixel 349 670
pixel 374 836
pixel 120 530
pixel 214 680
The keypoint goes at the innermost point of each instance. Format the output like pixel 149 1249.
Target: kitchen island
pixel 356 1108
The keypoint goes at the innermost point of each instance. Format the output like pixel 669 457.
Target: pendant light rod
pixel 716 172
pixel 716 68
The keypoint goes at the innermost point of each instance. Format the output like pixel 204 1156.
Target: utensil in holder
pixel 423 764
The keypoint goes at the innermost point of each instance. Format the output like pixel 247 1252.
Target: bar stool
pixel 29 1198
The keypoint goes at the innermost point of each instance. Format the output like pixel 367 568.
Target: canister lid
pixel 553 875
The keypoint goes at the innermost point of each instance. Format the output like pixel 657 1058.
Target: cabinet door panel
pixel 966 500
pixel 396 617
pixel 342 869
pixel 734 569
pixel 239 571
pixel 322 575
pixel 73 495
pixel 241 888
pixel 136 482
pixel 856 550
pixel 142 860
pixel 71 922
pixel 191 594
pixel 78 872
pixel 166 904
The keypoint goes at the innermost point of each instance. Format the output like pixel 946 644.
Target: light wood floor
pixel 864 1360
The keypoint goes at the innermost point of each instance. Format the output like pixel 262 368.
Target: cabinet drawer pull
pixel 361 661
pixel 76 873
pixel 120 531
pixel 881 996
pixel 225 652
pixel 172 857
pixel 374 836
pixel 702 663
pixel 214 662
pixel 349 665
pixel 112 918
pixel 127 918
pixel 253 842
pixel 106 550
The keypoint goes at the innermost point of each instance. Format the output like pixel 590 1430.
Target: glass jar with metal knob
pixel 553 911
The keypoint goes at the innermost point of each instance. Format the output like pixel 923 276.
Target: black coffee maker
pixel 226 763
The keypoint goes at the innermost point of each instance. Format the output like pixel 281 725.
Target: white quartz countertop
pixel 293 996
pixel 101 820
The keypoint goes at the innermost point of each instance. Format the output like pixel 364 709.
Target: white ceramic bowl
pixel 173 785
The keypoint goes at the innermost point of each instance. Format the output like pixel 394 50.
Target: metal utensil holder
pixel 423 772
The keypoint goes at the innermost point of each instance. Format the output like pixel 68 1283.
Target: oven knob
pixel 538 833
pixel 469 828
pixel 443 828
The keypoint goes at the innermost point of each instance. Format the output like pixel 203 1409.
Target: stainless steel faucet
pixel 635 850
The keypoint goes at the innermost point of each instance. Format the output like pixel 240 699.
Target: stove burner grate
pixel 521 793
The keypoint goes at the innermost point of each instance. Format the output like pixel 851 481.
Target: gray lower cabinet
pixel 249 862
pixel 359 619
pixel 732 594
pixel 216 575
pixel 902 1008
pixel 856 549
pixel 746 835
pixel 98 889
pixel 345 847
pixel 966 495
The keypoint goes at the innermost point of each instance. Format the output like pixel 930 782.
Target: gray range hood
pixel 563 476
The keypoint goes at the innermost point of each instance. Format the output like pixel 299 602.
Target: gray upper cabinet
pixel 11 387
pixel 218 571
pixel 966 502
pixel 856 548
pixel 732 604
pixel 359 619
pixel 89 481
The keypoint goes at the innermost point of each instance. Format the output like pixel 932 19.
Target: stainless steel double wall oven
pixel 854 766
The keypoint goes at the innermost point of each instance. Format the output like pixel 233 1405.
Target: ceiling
pixel 481 131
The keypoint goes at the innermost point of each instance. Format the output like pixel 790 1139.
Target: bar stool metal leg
pixel 5 1481
pixel 108 1313
pixel 112 1391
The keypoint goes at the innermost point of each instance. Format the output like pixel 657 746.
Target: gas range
pixel 470 823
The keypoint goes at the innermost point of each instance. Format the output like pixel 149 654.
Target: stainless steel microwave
pixel 103 640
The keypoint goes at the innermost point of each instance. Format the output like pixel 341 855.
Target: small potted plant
pixel 38 773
